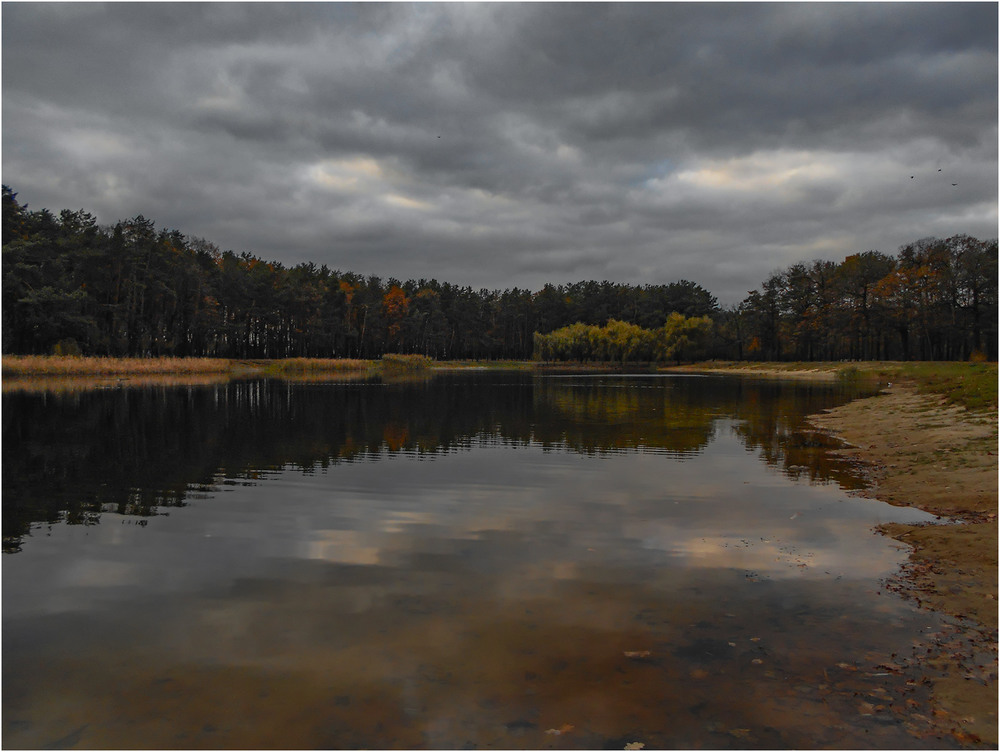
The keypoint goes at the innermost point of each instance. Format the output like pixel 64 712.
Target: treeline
pixel 72 286
pixel 935 300
pixel 133 290
pixel 680 338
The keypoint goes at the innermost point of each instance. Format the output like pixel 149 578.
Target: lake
pixel 464 560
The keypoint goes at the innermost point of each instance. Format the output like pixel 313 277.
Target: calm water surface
pixel 471 560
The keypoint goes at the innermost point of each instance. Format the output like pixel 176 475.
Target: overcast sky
pixel 500 145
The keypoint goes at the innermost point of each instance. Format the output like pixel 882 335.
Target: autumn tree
pixel 395 306
pixel 682 338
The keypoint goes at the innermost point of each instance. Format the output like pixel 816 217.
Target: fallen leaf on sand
pixel 966 738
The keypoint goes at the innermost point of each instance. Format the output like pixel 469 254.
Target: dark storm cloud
pixel 513 144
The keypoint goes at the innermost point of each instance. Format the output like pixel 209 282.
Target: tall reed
pixel 292 366
pixel 62 365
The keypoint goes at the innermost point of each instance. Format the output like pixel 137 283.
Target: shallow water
pixel 469 560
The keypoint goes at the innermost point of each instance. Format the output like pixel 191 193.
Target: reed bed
pixel 400 362
pixel 296 366
pixel 29 366
pixel 63 365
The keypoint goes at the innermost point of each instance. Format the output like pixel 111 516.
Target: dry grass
pixel 400 362
pixel 62 365
pixel 296 366
pixel 29 366
pixel 972 385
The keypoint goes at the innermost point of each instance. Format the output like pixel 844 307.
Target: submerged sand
pixel 920 451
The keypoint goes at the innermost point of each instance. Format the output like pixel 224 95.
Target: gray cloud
pixel 513 144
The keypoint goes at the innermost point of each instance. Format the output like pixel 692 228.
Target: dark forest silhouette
pixel 71 286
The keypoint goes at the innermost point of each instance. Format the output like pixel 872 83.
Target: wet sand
pixel 919 451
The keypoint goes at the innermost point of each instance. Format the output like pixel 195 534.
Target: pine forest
pixel 71 286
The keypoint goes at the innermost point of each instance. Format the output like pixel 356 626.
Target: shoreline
pixel 921 452
pixel 921 447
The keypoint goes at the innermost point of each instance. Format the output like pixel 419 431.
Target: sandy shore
pixel 823 372
pixel 921 452
pixel 918 450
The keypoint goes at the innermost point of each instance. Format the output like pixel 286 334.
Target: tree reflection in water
pixel 482 560
pixel 71 454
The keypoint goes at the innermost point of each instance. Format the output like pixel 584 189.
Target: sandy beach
pixel 920 451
